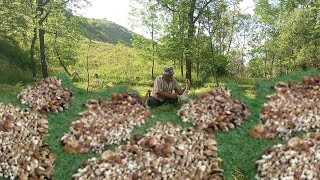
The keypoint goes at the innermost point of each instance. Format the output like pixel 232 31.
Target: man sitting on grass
pixel 163 86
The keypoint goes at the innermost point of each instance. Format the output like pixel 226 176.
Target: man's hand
pixel 187 83
pixel 174 96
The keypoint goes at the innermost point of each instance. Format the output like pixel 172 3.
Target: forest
pixel 255 88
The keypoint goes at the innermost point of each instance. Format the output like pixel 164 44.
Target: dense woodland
pixel 203 39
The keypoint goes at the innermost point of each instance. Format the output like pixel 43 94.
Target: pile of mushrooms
pixel 299 159
pixel 164 152
pixel 105 122
pixel 23 153
pixel 47 95
pixel 215 110
pixel 292 108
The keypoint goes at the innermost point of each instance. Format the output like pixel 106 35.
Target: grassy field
pixel 236 148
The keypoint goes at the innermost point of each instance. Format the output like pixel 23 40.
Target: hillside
pixel 106 31
pixel 14 65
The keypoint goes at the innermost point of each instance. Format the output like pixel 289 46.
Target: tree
pixel 194 10
pixel 172 43
pixel 64 41
pixel 147 49
pixel 289 39
pixel 45 9
pixel 15 24
pixel 149 19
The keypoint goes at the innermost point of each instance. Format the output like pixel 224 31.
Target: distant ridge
pixel 106 31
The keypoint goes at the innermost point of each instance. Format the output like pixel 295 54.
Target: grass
pixel 235 147
pixel 66 164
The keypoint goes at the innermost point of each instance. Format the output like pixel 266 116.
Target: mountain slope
pixel 14 62
pixel 105 31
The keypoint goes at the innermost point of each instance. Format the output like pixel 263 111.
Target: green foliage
pixel 11 74
pixel 63 38
pixel 142 43
pixel 288 39
pixel 14 19
pixel 11 52
pixel 30 22
pixel 255 68
pixel 14 66
pixel 213 66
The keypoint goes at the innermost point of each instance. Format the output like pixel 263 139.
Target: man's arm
pixel 166 95
pixel 180 91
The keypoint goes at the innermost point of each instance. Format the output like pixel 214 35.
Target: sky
pixel 117 11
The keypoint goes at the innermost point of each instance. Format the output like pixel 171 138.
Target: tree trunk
pixel 232 30
pixel 42 53
pixel 181 66
pixel 265 63
pixel 191 30
pixel 152 70
pixel 32 61
pixel 213 65
pixel 292 61
pixel 152 36
pixel 241 72
pixel 281 67
pixel 198 56
pixel 87 67
pixel 192 19
pixel 182 39
pixel 214 71
pixel 265 66
pixel 198 68
pixel 62 64
pixel 271 66
pixel 41 39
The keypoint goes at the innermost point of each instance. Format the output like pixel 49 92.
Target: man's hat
pixel 168 70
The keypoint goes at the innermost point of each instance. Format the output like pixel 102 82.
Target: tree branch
pixel 48 13
pixel 201 10
pixel 45 17
pixel 166 5
pixel 45 3
pixel 65 2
